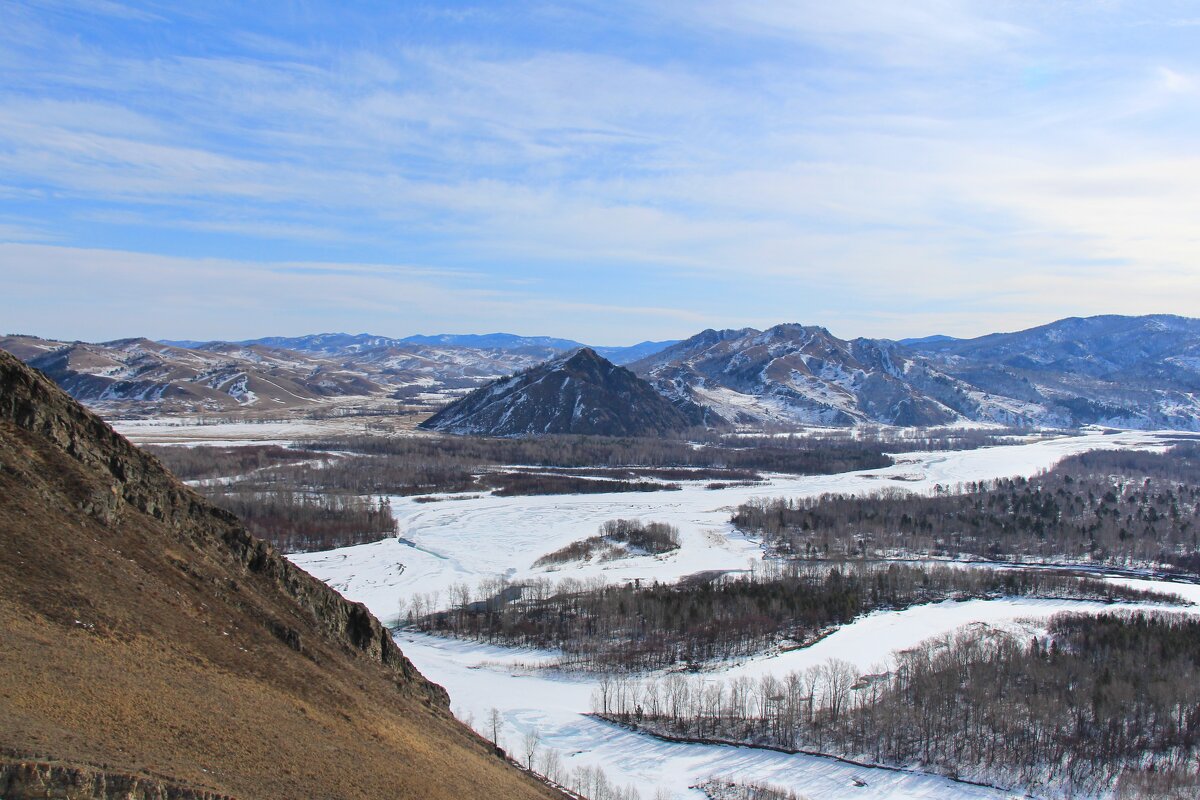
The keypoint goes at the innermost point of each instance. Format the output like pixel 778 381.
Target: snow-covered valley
pixel 464 539
pixel 461 541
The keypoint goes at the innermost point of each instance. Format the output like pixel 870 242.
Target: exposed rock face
pixel 33 779
pixel 581 393
pixel 793 374
pixel 154 648
pixel 1140 372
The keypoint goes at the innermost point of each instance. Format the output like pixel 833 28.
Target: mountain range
pixel 284 373
pixel 153 648
pixel 1137 372
pixel 347 343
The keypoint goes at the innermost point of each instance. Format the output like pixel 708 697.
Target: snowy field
pixel 480 677
pixel 464 540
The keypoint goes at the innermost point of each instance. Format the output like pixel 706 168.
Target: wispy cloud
pixel 107 294
pixel 862 165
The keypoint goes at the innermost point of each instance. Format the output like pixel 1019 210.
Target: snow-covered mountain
pixel 793 374
pixel 281 372
pixel 1161 349
pixel 1138 372
pixel 580 393
pixel 136 374
pixel 222 376
pixel 1141 372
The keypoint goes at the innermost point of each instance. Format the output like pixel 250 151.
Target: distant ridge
pixel 937 338
pixel 498 341
pixel 1111 370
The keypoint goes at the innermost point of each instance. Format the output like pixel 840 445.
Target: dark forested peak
pixel 586 361
pixel 579 392
pixel 154 648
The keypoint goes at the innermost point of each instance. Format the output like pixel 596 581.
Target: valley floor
pixel 462 541
pixel 556 705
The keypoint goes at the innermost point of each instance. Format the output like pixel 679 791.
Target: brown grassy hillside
pixel 149 647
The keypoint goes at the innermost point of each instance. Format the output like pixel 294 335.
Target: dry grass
pixel 147 648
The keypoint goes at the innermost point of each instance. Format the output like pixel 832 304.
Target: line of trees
pixel 798 456
pixel 300 522
pixel 522 482
pixel 1123 508
pixel 889 439
pixel 415 465
pixel 631 627
pixel 203 462
pixel 1095 702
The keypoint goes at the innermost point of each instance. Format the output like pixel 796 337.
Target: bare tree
pixel 495 722
pixel 530 744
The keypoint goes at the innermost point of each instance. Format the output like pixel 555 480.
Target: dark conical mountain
pixel 151 648
pixel 580 393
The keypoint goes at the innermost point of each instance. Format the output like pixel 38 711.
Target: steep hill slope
pixel 152 648
pixel 577 393
pixel 27 347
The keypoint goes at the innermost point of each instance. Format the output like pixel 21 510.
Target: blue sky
pixel 609 172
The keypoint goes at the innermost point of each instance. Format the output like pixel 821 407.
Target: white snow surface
pixel 480 677
pixel 464 540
